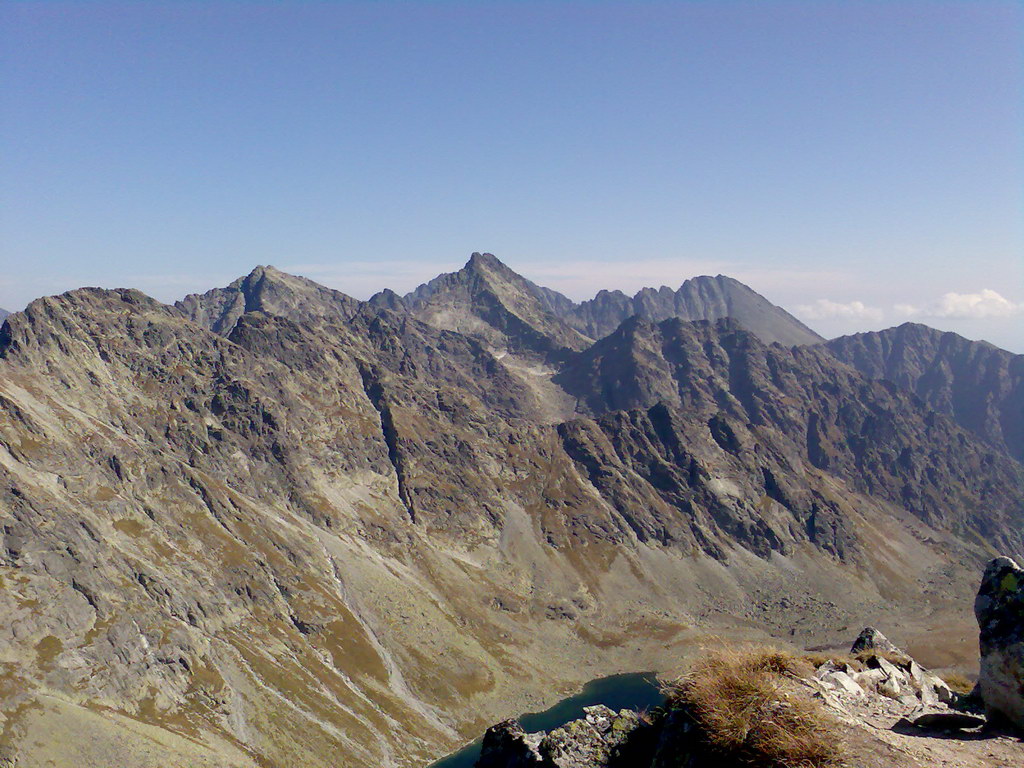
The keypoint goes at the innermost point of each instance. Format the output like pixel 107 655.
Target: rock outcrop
pixel 599 738
pixel 885 671
pixel 999 608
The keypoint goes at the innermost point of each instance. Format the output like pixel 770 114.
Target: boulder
pixel 870 639
pixel 837 680
pixel 999 608
pixel 507 745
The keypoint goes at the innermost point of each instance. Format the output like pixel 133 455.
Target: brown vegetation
pixel 958 683
pixel 749 711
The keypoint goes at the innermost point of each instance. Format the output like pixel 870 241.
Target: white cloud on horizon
pixel 986 304
pixel 825 309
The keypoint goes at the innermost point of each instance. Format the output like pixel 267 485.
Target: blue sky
pixel 859 163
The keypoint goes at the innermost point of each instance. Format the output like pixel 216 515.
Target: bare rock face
pixel 999 609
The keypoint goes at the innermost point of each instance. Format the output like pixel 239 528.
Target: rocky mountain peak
pixel 266 289
pixel 490 301
pixel 387 299
pixel 485 261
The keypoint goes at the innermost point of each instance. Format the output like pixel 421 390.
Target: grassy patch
pixel 750 711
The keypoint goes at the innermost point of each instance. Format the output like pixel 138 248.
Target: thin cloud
pixel 825 309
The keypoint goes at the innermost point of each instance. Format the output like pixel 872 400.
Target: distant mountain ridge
pixel 978 384
pixel 486 293
pixel 3 313
pixel 699 298
pixel 487 299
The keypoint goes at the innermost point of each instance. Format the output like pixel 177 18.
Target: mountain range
pixel 272 525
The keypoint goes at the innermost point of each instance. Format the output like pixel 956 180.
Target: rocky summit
pixel 272 525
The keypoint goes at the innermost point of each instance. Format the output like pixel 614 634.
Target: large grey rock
pixel 999 608
pixel 840 681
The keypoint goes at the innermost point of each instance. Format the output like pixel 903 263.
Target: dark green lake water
pixel 638 690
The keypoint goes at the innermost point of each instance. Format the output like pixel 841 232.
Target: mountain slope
pixel 700 298
pixel 979 385
pixel 798 402
pixel 486 297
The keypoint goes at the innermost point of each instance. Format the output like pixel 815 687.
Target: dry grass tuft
pixel 958 683
pixel 750 712
pixel 816 659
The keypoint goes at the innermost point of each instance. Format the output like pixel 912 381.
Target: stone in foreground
pixel 999 608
